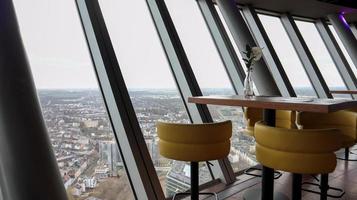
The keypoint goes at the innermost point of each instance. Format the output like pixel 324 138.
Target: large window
pixel 78 125
pixel 230 36
pixel 344 50
pixel 322 56
pixel 287 55
pixel 211 75
pixel 238 52
pixel 151 85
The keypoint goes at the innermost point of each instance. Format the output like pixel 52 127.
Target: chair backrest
pixel 252 116
pixel 194 142
pixel 297 151
pixel 283 118
pixel 344 120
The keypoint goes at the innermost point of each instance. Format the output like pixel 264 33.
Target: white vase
pixel 248 84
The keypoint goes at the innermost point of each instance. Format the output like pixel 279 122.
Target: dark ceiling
pixel 347 3
pixel 307 8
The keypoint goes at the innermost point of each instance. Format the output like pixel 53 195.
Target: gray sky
pixel 54 43
pixel 59 57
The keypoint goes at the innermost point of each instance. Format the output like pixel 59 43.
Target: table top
pixel 278 103
pixel 343 91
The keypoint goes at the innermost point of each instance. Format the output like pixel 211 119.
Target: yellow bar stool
pixel 283 119
pixel 194 143
pixel 344 120
pixel 299 152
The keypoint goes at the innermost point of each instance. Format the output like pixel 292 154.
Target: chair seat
pixel 300 163
pixel 194 152
pixel 308 151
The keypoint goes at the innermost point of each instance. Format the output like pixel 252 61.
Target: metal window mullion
pixel 269 54
pixel 184 77
pixel 336 54
pixel 224 46
pixel 126 128
pixel 346 35
pixel 262 77
pixel 354 29
pixel 305 57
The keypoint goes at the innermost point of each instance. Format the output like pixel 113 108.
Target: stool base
pixel 258 168
pixel 255 194
pixel 201 193
pixel 336 193
pixel 346 155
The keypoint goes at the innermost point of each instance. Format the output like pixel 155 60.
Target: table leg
pixel 267 190
pixel 267 183
pixel 268 173
pixel 269 117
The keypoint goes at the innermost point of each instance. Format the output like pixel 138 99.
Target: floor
pixel 345 176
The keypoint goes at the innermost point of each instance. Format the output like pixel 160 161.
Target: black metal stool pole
pixel 194 181
pixel 267 183
pixel 324 186
pixel 347 153
pixel 297 178
pixel 267 190
pixel 268 173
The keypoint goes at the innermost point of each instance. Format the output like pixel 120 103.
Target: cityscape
pixel 87 153
pixel 84 145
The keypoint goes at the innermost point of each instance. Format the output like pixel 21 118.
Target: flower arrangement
pixel 253 54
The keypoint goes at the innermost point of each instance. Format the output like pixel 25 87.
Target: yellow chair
pixel 346 121
pixel 283 119
pixel 299 152
pixel 252 116
pixel 194 143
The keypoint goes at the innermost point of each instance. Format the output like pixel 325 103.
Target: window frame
pixel 140 169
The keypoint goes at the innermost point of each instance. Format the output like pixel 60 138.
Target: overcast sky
pixel 59 57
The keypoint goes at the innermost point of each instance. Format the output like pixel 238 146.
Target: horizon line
pixel 128 88
pixel 149 88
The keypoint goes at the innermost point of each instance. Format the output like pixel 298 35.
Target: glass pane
pixel 230 36
pixel 151 85
pixel 344 50
pixel 198 43
pixel 211 75
pixel 287 55
pixel 322 57
pixel 238 53
pixel 77 122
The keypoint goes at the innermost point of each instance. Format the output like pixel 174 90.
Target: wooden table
pixel 269 105
pixel 343 91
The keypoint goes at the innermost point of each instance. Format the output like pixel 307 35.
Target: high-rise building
pixel 109 154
